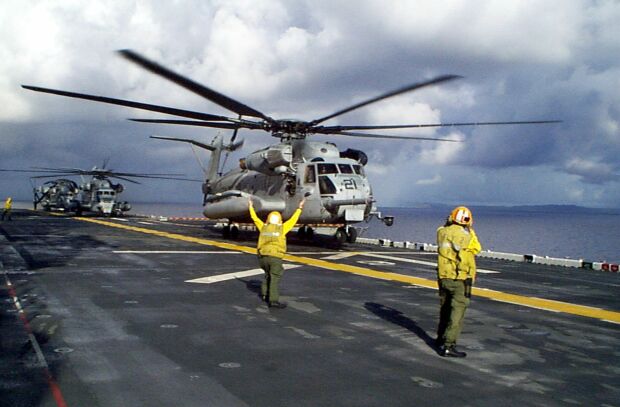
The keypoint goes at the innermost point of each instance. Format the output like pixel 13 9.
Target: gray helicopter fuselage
pixel 278 177
pixel 100 195
pixel 57 195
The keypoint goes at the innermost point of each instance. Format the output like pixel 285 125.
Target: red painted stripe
pixel 60 400
pixel 54 388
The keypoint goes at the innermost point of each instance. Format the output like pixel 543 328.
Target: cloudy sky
pixel 521 60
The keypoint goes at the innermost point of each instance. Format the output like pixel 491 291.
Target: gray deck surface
pixel 127 329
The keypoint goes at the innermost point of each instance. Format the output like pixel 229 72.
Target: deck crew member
pixel 6 212
pixel 456 270
pixel 271 249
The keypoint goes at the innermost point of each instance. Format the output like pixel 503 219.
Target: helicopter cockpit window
pixel 345 169
pixel 327 169
pixel 358 169
pixel 310 174
pixel 326 186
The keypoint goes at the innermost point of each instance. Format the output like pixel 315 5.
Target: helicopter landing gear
pixel 305 233
pixel 341 235
pixel 351 234
pixel 346 234
pixel 230 231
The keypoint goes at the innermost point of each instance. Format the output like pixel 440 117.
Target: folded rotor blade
pixel 399 91
pixel 328 129
pixel 186 140
pixel 216 125
pixel 385 136
pixel 144 106
pixel 195 87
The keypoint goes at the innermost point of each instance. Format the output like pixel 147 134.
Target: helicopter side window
pixel 326 186
pixel 358 170
pixel 328 169
pixel 345 169
pixel 310 174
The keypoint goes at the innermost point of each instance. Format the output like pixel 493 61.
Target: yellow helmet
pixel 462 216
pixel 275 218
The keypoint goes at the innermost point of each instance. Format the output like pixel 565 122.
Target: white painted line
pixel 145 223
pixel 33 340
pixel 232 276
pixel 339 256
pixel 175 252
pixel 425 263
pixel 121 219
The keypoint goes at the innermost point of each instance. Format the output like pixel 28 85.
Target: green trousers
pixel 6 213
pixel 273 273
pixel 453 304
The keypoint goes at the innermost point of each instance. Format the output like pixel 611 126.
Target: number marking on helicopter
pixel 532 302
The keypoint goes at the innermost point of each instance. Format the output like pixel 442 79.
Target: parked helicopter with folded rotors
pixel 278 177
pixel 97 195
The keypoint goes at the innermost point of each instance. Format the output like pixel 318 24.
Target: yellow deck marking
pixel 534 302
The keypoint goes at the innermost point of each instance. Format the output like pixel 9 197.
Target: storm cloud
pixel 521 60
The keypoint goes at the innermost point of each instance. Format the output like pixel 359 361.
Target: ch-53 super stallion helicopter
pixel 97 195
pixel 278 177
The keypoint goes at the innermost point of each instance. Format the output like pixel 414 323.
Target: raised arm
pixel 289 224
pixel 257 221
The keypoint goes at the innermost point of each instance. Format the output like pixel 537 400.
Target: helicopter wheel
pixel 309 233
pixel 341 235
pixel 226 231
pixel 234 232
pixel 351 234
pixel 302 232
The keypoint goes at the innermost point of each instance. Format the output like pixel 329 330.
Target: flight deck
pixel 142 312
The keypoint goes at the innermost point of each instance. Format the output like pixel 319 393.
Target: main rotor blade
pixel 216 125
pixel 61 169
pixel 399 91
pixel 385 136
pixel 195 87
pixel 126 179
pixel 328 129
pixel 186 140
pixel 53 176
pixel 144 106
pixel 150 177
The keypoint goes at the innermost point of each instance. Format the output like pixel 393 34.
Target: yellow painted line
pixel 534 302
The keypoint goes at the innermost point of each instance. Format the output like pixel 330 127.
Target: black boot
pixel 451 352
pixel 277 304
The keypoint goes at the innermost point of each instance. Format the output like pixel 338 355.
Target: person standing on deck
pixel 271 249
pixel 8 205
pixel 456 269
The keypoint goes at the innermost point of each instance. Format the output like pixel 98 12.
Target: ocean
pixel 555 231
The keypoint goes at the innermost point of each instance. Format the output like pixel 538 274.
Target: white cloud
pixel 521 60
pixel 429 181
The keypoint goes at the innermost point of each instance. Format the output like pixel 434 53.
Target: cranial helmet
pixel 462 216
pixel 274 218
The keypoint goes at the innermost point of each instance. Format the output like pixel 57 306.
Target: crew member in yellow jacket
pixel 271 249
pixel 8 204
pixel 456 270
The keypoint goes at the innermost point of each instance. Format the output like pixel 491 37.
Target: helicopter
pixel 60 194
pixel 97 195
pixel 277 177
